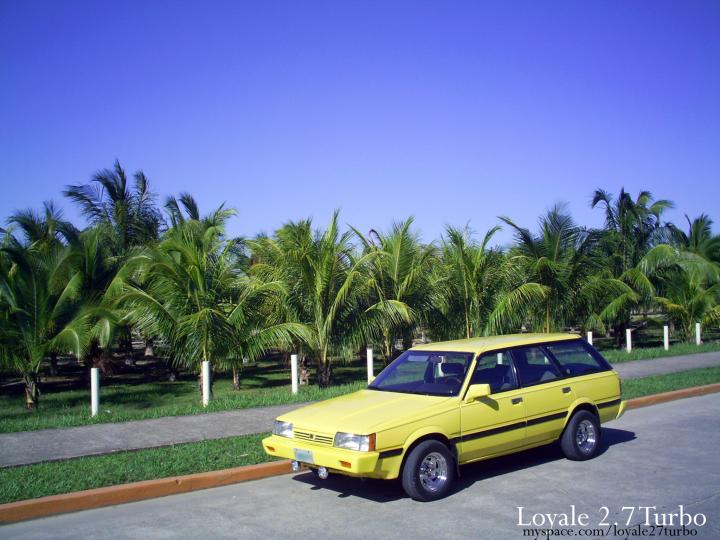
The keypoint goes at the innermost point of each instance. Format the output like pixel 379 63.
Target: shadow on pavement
pixel 391 490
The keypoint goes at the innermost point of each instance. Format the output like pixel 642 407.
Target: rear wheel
pixel 429 471
pixel 581 438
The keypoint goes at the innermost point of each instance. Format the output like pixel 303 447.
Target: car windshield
pixel 431 373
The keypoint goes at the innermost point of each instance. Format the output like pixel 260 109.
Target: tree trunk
pixel 53 364
pixel 126 348
pixel 91 360
pixel 388 348
pixel 236 379
pixel 547 316
pixel 324 374
pixel 172 371
pixel 619 335
pixel 32 392
pixel 407 341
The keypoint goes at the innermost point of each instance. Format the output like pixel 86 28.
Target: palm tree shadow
pixel 386 491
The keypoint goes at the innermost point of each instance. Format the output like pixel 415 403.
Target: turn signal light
pixel 345 464
pixel 371 442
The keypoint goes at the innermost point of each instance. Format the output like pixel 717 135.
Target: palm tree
pixel 182 208
pixel 632 227
pixel 257 323
pixel 688 300
pixel 95 271
pixel 402 273
pixel 558 280
pixel 326 289
pixel 188 291
pixel 40 311
pixel 48 230
pixel 126 215
pixel 181 291
pixel 699 238
pixel 474 275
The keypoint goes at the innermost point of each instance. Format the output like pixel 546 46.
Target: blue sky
pixel 453 112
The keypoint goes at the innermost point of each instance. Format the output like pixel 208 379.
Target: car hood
pixel 364 412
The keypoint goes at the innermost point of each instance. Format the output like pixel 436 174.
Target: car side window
pixel 496 370
pixel 574 358
pixel 533 366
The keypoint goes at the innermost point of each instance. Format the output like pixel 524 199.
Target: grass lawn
pixel 656 384
pixel 122 402
pixel 262 384
pixel 29 481
pixel 676 349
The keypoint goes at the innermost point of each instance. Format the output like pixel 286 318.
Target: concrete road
pixel 26 447
pixel 54 444
pixel 663 456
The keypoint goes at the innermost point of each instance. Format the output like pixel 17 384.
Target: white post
pixel 666 337
pixel 94 391
pixel 370 365
pixel 589 338
pixel 294 373
pixel 698 341
pixel 628 340
pixel 206 383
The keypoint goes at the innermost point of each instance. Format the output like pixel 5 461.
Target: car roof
pixel 482 344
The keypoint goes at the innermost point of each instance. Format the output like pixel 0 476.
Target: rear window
pixel 575 358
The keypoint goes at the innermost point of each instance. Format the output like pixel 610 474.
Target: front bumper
pixel 340 460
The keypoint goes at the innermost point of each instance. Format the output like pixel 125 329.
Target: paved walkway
pixel 53 444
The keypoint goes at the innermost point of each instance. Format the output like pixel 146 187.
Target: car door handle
pixel 566 390
pixel 516 400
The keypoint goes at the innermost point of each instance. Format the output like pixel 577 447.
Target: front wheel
pixel 581 438
pixel 429 471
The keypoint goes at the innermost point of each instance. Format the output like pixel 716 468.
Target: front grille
pixel 317 438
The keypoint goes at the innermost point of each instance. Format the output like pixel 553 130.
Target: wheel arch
pixel 581 405
pixel 427 435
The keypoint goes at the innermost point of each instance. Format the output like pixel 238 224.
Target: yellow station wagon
pixel 441 405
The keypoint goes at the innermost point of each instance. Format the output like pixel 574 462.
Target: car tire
pixel 429 471
pixel 581 438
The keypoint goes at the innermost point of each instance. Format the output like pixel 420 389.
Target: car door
pixel 496 423
pixel 546 394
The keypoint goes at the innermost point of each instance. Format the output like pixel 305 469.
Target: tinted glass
pixel 495 369
pixel 575 358
pixel 425 372
pixel 533 367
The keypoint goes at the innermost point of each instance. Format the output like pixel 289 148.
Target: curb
pixel 150 489
pixel 656 399
pixel 136 491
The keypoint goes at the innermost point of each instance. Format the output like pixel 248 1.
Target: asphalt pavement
pixel 661 456
pixel 28 447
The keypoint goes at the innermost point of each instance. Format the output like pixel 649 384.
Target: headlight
pixel 284 429
pixel 362 443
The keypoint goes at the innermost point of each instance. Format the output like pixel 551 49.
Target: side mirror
pixel 477 391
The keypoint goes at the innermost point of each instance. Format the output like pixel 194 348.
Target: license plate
pixel 303 456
